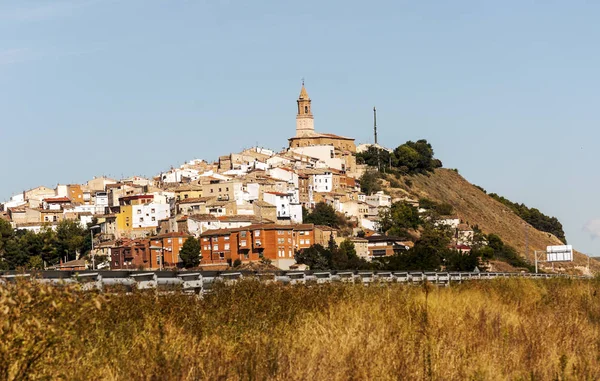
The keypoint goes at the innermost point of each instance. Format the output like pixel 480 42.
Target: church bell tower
pixel 305 123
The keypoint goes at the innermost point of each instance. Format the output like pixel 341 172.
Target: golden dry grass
pixel 513 329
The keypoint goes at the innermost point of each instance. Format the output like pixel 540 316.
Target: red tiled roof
pixel 57 199
pixel 279 194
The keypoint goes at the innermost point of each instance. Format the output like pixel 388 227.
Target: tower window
pixel 306 109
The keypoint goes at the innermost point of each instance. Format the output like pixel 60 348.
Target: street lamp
pixel 92 251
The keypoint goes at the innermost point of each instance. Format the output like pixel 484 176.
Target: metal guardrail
pixel 200 282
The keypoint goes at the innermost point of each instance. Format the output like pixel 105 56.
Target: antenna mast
pixel 375 123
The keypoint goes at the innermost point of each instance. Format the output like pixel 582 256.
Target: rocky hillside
pixel 473 206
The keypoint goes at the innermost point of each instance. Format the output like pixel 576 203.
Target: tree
pixel 315 257
pixel 70 238
pixel 6 233
pixel 35 263
pixel 14 255
pixel 376 157
pixel 369 182
pixel 416 157
pixel 190 253
pixel 396 219
pixel 323 214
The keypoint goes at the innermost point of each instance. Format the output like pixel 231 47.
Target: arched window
pixel 306 109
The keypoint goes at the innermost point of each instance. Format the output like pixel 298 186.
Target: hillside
pixel 473 206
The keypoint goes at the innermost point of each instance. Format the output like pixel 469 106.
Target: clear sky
pixel 506 91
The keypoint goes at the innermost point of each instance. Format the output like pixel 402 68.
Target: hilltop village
pixel 247 207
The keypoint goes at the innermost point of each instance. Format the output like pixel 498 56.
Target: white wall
pixel 148 215
pixel 323 183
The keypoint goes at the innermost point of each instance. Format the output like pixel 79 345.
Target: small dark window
pixel 306 109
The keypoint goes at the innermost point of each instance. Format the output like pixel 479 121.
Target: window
pixel 306 109
pixel 290 254
pixel 227 189
pixel 153 218
pixel 212 190
pixel 152 210
pixel 226 246
pixel 205 239
pixel 243 234
pixel 215 247
pixel 280 232
pixel 139 211
pixel 243 243
pixel 185 196
pixel 141 219
pixel 289 240
pixel 258 242
pixel 301 242
pixel 280 240
pixel 308 241
pixel 257 233
pixel 169 240
pixel 180 241
pixel 219 190
pixel 226 238
pixel 206 247
pixel 221 255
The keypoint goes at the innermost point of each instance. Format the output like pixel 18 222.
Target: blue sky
pixel 506 91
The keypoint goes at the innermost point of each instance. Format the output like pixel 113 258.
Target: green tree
pixel 457 261
pixel 427 254
pixel 6 233
pixel 323 214
pixel 369 182
pixel 400 217
pixel 416 157
pixel 35 263
pixel 14 255
pixel 316 257
pixel 190 253
pixel 377 158
pixel 70 238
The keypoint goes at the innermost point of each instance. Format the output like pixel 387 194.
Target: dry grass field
pixel 513 329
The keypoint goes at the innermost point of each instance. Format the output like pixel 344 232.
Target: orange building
pixel 169 245
pixel 278 243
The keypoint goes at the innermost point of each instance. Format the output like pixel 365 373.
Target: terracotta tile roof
pixel 194 200
pixel 57 199
pixel 202 217
pixel 279 194
pixel 263 204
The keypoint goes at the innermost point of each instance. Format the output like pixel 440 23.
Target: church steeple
pixel 305 125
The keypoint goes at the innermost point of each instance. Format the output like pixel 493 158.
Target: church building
pixel 309 142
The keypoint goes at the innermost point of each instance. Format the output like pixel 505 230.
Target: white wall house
pixel 379 199
pixel 284 174
pixel 323 182
pixel 148 215
pixel 287 209
pixel 100 202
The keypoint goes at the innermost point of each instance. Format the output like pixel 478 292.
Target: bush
pixel 237 262
pixel 534 217
pixel 369 182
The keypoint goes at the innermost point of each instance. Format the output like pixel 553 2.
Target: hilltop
pixel 475 207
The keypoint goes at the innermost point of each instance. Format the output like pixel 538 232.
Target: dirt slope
pixel 473 206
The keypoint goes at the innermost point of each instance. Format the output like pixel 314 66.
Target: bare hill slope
pixel 473 206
